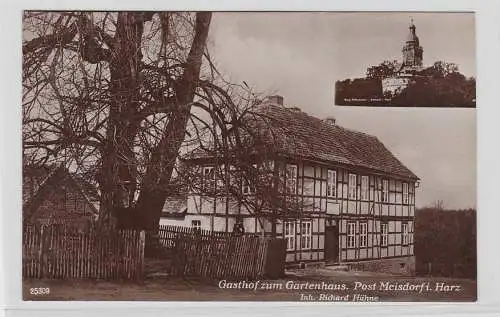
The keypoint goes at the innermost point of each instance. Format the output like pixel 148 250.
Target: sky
pixel 301 55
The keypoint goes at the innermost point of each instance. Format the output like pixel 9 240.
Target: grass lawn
pixel 176 289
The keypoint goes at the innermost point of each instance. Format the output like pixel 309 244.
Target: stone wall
pixel 397 265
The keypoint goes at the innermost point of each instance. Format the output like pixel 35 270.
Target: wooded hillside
pixel 445 242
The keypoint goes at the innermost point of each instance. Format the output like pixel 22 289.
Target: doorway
pixel 331 244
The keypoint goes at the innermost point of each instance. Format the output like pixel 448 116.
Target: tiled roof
pixel 297 133
pixel 47 180
pixel 294 133
pixel 33 177
pixel 41 173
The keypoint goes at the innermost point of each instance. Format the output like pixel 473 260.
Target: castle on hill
pixel 412 63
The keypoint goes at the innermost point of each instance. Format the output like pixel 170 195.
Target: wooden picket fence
pixel 168 234
pixel 59 252
pixel 210 254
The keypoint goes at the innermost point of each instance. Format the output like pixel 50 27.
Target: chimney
pixel 276 99
pixel 330 120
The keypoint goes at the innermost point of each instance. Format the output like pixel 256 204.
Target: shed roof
pixel 47 180
pixel 175 206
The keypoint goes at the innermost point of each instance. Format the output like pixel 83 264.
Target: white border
pixel 488 114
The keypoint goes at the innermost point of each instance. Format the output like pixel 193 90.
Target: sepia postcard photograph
pixel 430 63
pixel 242 156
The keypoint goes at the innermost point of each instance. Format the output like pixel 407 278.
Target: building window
pixel 405 233
pixel 364 187
pixel 291 178
pixel 306 235
pixel 289 230
pixel 351 234
pixel 385 190
pixel 208 177
pixel 238 227
pixel 411 194
pixel 352 186
pixel 405 193
pixel 246 187
pixel 248 181
pixel 384 234
pixel 363 234
pixel 196 224
pixel 332 184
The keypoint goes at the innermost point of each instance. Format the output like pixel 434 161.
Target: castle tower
pixel 412 51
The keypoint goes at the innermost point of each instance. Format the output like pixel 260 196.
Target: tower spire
pixel 412 51
pixel 412 26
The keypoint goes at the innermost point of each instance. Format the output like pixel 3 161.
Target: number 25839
pixel 39 291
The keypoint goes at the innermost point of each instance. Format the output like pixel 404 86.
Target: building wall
pixel 394 85
pixel 213 215
pixel 317 207
pixel 403 265
pixel 412 54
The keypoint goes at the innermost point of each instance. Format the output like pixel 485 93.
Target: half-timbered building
pixel 347 198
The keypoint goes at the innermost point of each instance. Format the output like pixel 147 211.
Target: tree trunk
pixel 155 185
pixel 118 175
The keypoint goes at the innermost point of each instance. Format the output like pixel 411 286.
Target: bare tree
pixel 439 204
pixel 116 95
pixel 105 90
pixel 119 96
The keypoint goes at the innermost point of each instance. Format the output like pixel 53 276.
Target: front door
pixel 331 244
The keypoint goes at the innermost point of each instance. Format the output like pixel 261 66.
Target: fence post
pixel 142 239
pixel 40 254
